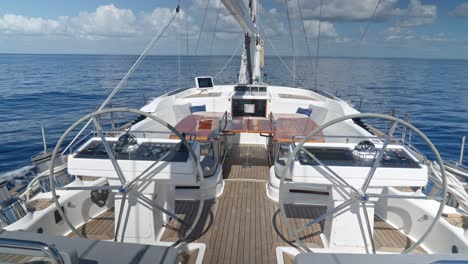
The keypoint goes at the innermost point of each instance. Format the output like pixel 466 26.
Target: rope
pixel 303 26
pixel 214 31
pixel 277 54
pixel 318 47
pixel 129 73
pixel 202 26
pixel 186 32
pixel 187 40
pixel 368 22
pixel 292 38
pixel 227 63
pixel 178 53
pixel 454 186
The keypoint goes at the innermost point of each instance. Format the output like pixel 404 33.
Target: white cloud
pixel 399 37
pixel 460 11
pixel 17 24
pixel 161 16
pixel 396 30
pixel 416 14
pixel 327 29
pixel 226 22
pixel 106 21
pixel 343 10
pixel 435 37
pixel 272 23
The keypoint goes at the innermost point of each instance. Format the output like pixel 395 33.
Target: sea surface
pixel 53 91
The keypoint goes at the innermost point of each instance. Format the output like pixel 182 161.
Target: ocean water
pixel 53 91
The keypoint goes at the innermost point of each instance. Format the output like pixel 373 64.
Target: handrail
pixel 462 151
pixel 50 251
pixel 224 118
pixel 76 143
pixel 272 121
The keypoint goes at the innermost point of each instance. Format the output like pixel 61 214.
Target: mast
pixel 247 18
pixel 245 71
pixel 259 46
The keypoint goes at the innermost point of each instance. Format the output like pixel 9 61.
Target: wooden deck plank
pixel 258 229
pixel 243 229
pixel 253 227
pixel 242 233
pixel 98 228
pixel 390 239
pixel 227 239
pixel 232 254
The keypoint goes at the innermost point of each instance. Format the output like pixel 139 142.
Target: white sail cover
pixel 241 13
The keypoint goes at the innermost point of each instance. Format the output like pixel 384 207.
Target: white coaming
pixel 175 172
pixel 413 217
pixel 77 206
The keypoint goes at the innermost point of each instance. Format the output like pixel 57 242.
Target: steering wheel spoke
pixel 397 196
pixel 332 172
pixel 87 188
pixel 329 213
pixel 379 157
pixel 119 221
pixel 109 151
pixel 368 226
pixel 158 207
pixel 171 150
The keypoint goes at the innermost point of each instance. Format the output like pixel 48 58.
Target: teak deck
pixel 243 225
pixel 99 228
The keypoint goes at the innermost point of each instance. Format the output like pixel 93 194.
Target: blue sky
pixel 406 28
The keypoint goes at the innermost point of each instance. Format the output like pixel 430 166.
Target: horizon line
pixel 228 55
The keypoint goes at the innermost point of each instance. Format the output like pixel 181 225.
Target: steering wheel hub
pixel 364 197
pixel 123 189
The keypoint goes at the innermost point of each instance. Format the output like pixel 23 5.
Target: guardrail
pixel 462 151
pixel 49 251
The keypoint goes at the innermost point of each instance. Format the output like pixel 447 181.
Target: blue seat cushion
pixel 304 111
pixel 197 108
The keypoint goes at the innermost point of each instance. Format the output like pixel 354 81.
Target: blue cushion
pixel 304 111
pixel 197 108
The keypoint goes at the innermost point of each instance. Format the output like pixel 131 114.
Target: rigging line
pixel 284 64
pixel 186 32
pixel 178 52
pixel 229 61
pixel 318 46
pixel 187 40
pixel 214 31
pixel 129 73
pixel 291 35
pixel 202 26
pixel 303 26
pixel 368 22
pixel 277 54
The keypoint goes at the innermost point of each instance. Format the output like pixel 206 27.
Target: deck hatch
pixel 146 151
pixel 393 158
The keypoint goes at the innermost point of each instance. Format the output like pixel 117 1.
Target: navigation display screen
pixel 205 82
pixel 249 107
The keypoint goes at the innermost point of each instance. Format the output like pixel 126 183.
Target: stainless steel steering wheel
pixel 360 194
pixel 126 186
